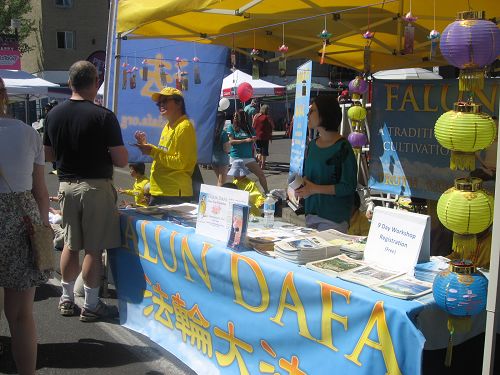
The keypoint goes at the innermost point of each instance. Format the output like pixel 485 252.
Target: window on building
pixel 64 3
pixel 66 39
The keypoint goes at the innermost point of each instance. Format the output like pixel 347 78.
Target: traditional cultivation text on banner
pixel 405 157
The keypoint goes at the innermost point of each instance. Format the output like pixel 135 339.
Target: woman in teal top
pixel 242 138
pixel 330 172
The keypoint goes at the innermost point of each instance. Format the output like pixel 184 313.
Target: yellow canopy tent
pixel 261 24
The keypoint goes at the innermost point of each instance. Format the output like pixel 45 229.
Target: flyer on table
pixel 215 210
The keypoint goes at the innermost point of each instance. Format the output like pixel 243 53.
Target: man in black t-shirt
pixel 85 141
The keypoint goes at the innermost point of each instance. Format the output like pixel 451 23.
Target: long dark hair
pixel 240 121
pixel 220 120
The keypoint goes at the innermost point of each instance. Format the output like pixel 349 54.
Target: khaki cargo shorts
pixel 89 214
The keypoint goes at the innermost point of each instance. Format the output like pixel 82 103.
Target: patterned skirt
pixel 16 258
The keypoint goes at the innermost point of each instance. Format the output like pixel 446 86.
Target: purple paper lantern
pixel 470 41
pixel 357 87
pixel 357 140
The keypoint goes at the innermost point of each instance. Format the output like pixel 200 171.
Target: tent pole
pixel 109 51
pixel 492 301
pixel 116 73
pixel 26 108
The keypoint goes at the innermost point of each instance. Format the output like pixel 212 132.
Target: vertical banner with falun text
pixel 299 135
pixel 405 157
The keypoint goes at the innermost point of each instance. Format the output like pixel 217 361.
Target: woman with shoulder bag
pixel 23 195
pixel 330 172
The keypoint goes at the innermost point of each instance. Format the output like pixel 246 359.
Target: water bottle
pixel 269 204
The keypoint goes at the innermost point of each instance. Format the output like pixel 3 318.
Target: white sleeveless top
pixel 20 148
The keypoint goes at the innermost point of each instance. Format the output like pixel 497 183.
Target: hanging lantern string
pixel 265 27
pixel 434 15
pixel 283 34
pixel 150 59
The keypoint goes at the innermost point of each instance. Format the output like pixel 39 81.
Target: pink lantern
pixel 245 91
pixel 357 140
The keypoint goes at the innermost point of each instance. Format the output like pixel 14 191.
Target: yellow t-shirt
pixel 137 191
pixel 173 160
pixel 256 199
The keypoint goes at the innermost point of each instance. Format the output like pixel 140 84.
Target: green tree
pixel 17 10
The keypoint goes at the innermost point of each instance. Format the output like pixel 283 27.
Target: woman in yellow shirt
pixel 175 156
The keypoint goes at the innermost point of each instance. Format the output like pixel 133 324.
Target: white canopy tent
pixel 23 86
pixel 408 73
pixel 260 87
pixel 21 83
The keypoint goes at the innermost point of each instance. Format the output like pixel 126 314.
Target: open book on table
pixel 404 287
pixel 381 280
pixel 353 270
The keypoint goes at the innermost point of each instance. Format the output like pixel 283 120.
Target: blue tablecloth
pixel 221 311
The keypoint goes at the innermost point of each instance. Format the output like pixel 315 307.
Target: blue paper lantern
pixel 461 291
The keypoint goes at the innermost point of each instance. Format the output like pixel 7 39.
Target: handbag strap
pixel 26 219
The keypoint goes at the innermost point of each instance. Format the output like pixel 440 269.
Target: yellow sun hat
pixel 166 91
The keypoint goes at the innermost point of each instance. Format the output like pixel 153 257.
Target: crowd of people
pixel 85 142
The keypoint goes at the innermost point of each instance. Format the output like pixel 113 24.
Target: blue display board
pixel 405 157
pixel 148 65
pixel 221 311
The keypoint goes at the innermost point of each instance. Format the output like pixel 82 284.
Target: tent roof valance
pixel 260 24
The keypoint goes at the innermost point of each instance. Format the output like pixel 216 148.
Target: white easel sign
pixel 398 239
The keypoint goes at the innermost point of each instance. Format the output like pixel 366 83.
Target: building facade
pixel 67 31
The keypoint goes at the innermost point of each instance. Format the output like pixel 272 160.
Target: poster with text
pixel 405 157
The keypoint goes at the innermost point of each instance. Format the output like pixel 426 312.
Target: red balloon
pixel 245 91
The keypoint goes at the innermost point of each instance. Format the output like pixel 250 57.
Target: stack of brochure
pixel 352 246
pixel 381 280
pixel 263 239
pixel 427 271
pixel 301 250
pixel 182 214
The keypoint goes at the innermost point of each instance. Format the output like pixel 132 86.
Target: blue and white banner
pixel 299 136
pixel 225 312
pixel 405 157
pixel 148 65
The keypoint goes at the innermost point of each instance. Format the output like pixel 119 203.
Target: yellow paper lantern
pixel 465 130
pixel 357 115
pixel 466 209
